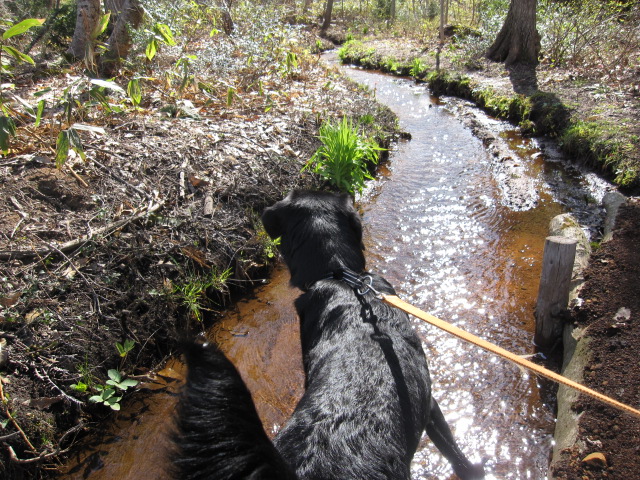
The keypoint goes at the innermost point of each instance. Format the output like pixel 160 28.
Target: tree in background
pixel 125 14
pixel 87 19
pixel 518 45
pixel 518 41
pixel 326 17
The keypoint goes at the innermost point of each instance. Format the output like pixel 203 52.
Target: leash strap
pixel 394 301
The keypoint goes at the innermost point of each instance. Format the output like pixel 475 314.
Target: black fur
pixel 368 392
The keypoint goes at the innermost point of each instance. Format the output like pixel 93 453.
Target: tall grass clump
pixel 345 157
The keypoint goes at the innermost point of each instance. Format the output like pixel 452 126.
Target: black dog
pixel 368 392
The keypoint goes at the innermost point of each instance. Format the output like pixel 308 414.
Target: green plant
pixel 345 156
pixel 80 387
pixel 269 245
pixel 192 293
pixel 12 31
pixel 112 392
pixel 159 34
pixel 134 91
pixel 417 68
pixel 125 347
pixel 289 65
pixel 7 124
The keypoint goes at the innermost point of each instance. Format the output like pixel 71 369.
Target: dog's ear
pixel 354 219
pixel 272 222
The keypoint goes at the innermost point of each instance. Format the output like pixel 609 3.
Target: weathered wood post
pixel 553 293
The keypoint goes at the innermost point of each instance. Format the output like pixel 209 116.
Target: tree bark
pixel 327 15
pixel 87 19
pixel 518 41
pixel 128 15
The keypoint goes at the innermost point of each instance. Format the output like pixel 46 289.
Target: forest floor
pixel 158 229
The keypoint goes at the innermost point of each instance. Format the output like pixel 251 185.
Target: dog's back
pixel 367 396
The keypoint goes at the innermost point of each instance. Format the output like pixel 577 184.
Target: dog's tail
pixel 218 431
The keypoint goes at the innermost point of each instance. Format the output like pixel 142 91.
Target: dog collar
pixel 362 284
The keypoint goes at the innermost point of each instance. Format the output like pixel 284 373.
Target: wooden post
pixel 553 294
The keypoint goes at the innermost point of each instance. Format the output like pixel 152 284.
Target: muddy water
pixel 442 225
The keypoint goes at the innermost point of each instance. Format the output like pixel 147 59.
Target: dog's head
pixel 319 232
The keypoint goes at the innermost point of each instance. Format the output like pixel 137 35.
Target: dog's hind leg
pixel 440 434
pixel 219 434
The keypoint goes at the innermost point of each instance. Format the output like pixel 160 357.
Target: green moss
pixel 602 145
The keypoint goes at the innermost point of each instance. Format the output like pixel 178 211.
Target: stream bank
pixel 158 228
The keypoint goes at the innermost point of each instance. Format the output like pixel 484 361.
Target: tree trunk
pixel 115 7
pixel 227 21
pixel 128 15
pixel 327 15
pixel 518 41
pixel 87 19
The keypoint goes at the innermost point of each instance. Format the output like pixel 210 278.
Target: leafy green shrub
pixel 601 35
pixel 63 23
pixel 345 156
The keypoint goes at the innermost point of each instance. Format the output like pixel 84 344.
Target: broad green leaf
pixel 95 398
pixel 134 91
pixel 98 94
pixel 39 111
pixel 129 382
pixel 62 148
pixel 7 129
pixel 22 27
pixel 230 94
pixel 109 84
pixel 76 143
pixel 152 49
pixel 114 375
pixel 22 57
pixel 101 26
pixel 165 32
pixel 40 93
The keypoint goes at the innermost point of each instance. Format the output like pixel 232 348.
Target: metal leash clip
pixel 361 284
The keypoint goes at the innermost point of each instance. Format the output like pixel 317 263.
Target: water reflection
pixel 439 230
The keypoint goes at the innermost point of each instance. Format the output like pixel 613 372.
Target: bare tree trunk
pixel 327 15
pixel 128 15
pixel 518 41
pixel 227 21
pixel 87 19
pixel 392 11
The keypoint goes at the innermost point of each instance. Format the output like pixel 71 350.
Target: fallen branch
pixel 44 377
pixel 13 420
pixel 78 242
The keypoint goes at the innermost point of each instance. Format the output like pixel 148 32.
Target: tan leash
pixel 468 337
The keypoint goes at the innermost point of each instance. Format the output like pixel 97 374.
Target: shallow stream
pixel 445 225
